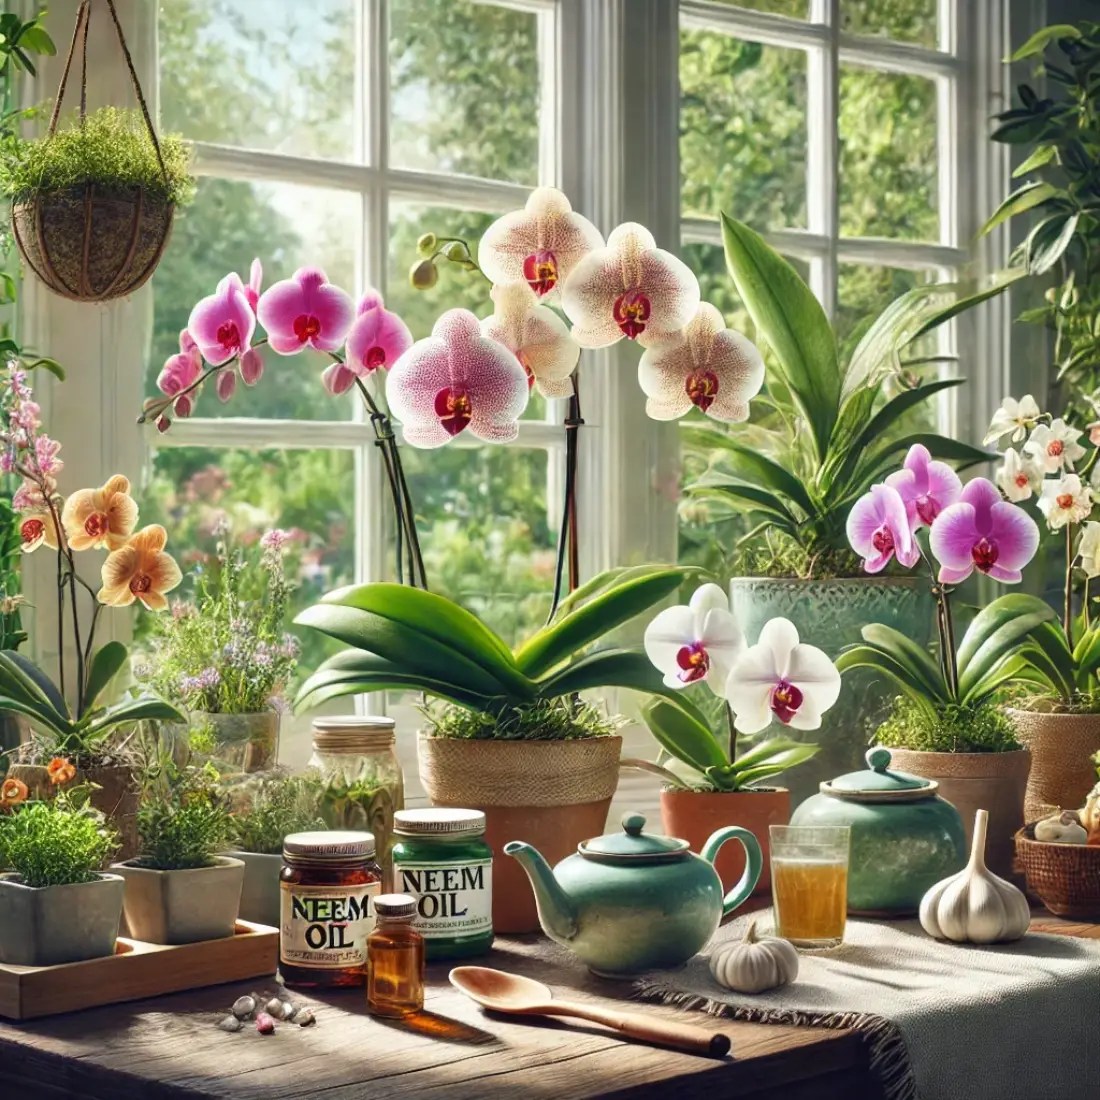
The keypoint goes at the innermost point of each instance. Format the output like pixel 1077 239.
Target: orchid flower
pixel 101 518
pixel 181 371
pixel 781 677
pixel 926 486
pixel 376 340
pixel 706 366
pixel 879 528
pixel 536 335
pixel 305 310
pixel 222 324
pixel 1019 477
pixel 37 529
pixel 697 642
pixel 457 379
pixel 981 531
pixel 629 288
pixel 1088 549
pixel 1017 417
pixel 1065 500
pixel 539 245
pixel 1055 447
pixel 140 570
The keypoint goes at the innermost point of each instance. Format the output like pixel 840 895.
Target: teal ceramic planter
pixel 830 614
pixel 905 838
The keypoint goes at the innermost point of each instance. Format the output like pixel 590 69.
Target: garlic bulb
pixel 753 965
pixel 975 906
pixel 1090 815
pixel 1063 828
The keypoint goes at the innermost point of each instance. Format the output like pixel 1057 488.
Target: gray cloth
pixel 1017 1021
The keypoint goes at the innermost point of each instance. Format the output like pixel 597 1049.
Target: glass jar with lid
pixel 361 781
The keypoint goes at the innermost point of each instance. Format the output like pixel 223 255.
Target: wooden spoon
pixel 501 992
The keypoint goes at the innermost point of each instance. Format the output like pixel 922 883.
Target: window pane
pixel 221 232
pixel 742 130
pixel 274 75
pixel 904 20
pixel 798 9
pixel 888 155
pixel 464 89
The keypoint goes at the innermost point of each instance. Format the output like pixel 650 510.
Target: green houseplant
pixel 178 888
pixel 558 790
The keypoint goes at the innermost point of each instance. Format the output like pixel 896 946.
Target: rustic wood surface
pixel 169 1049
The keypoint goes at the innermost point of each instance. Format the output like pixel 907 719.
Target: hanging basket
pixel 95 241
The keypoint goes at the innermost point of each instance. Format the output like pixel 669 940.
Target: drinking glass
pixel 810 883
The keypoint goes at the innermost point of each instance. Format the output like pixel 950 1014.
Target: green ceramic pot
pixel 830 614
pixel 905 838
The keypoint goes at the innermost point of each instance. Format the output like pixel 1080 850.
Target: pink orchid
pixel 539 245
pixel 878 529
pixel 631 288
pixel 457 379
pixel 981 531
pixel 222 324
pixel 45 455
pixel 251 366
pixel 705 366
pixel 305 310
pixel 225 385
pixel 926 486
pixel 181 370
pixel 28 498
pixel 376 340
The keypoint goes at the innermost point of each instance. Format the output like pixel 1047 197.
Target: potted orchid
pixel 948 725
pixel 708 782
pixel 1057 712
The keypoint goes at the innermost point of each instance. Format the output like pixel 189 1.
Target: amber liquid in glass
pixel 811 900
pixel 395 969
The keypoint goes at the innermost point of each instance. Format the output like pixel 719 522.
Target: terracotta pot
pixel 694 815
pixel 551 794
pixel 1061 772
pixel 972 781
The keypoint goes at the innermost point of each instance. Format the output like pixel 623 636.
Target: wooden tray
pixel 137 970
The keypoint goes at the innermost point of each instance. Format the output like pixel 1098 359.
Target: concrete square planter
pixel 260 899
pixel 199 903
pixel 47 925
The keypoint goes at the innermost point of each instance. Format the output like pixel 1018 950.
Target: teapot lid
pixel 632 844
pixel 878 783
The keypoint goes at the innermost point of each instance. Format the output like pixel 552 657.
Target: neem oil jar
pixel 440 858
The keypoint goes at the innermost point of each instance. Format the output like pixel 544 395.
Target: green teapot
pixel 631 902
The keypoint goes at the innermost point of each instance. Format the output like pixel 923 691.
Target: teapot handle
pixel 754 862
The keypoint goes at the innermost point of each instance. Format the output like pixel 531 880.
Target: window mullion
pixel 822 154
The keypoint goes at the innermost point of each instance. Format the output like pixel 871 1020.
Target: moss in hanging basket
pixel 91 207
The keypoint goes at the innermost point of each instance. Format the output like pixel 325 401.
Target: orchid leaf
pixel 903 675
pixel 144 708
pixel 747 498
pixel 106 662
pixel 41 714
pixel 683 736
pixel 782 760
pixel 33 680
pixel 907 652
pixel 997 630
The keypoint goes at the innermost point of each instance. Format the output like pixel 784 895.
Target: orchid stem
pixel 568 542
pixel 1067 611
pixel 733 734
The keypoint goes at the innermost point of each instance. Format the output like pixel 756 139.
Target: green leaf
pixel 678 733
pixel 1043 155
pixel 939 446
pixel 1048 241
pixel 749 499
pixel 50 365
pixel 106 662
pixel 1039 41
pixel 908 653
pixel 1000 282
pixel 566 637
pixel 33 681
pixel 613 578
pixel 1022 199
pixel 42 715
pixel 790 319
pixel 147 708
pixel 782 761
pixel 35 39
pixel 1086 654
pixel 869 656
pixel 996 631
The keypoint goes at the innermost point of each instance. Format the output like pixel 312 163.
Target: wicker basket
pixel 1065 877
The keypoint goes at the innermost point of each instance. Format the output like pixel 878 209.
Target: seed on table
pixel 305 1017
pixel 230 1023
pixel 243 1007
pixel 265 1025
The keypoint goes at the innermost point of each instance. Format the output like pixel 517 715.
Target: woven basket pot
pixel 93 242
pixel 1064 877
pixel 1061 772
pixel 972 781
pixel 552 794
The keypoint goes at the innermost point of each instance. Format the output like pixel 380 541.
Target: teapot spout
pixel 557 914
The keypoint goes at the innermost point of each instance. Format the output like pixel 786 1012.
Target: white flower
pixel 1015 417
pixel 1056 447
pixel 783 678
pixel 698 642
pixel 1088 549
pixel 1065 500
pixel 1019 477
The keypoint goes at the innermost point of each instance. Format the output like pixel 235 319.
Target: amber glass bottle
pixel 395 958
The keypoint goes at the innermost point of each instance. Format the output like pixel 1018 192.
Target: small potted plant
pixel 179 889
pixel 56 904
pixel 265 810
pixel 227 658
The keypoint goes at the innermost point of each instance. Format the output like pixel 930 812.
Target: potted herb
pixel 227 658
pixel 948 725
pixel 513 741
pixel 56 904
pixel 265 810
pixel 178 888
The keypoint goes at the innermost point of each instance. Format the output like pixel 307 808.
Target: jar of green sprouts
pixel 361 781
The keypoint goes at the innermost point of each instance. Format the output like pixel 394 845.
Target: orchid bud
pixel 455 252
pixel 423 275
pixel 163 424
pixel 425 244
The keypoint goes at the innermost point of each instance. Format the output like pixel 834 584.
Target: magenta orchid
pixel 376 340
pixel 879 528
pixel 925 485
pixel 454 380
pixel 223 323
pixel 303 311
pixel 181 371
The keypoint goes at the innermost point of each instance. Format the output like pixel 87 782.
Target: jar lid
pixel 352 733
pixel 438 821
pixel 878 783
pixel 632 844
pixel 329 845
pixel 395 905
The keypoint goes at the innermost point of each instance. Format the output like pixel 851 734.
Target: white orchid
pixel 1065 500
pixel 1019 476
pixel 1017 417
pixel 1088 549
pixel 697 642
pixel 1055 447
pixel 781 677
